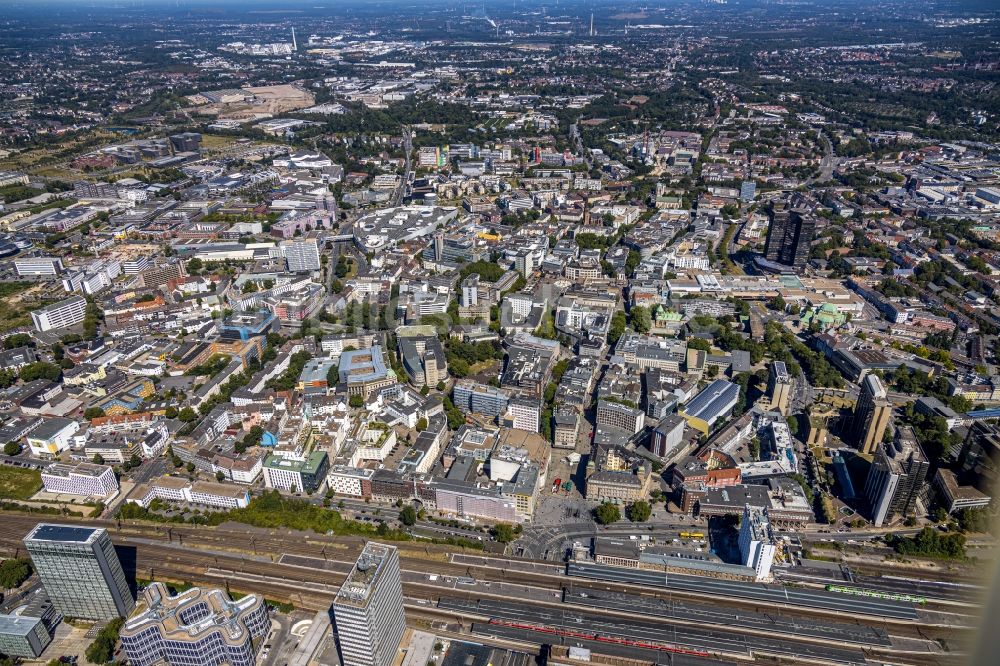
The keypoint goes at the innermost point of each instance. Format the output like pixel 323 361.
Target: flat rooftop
pixel 370 566
pixel 62 533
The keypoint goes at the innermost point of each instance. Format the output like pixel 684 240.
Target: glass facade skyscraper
pixel 80 571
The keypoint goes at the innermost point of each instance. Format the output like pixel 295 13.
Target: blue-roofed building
pixel 715 402
pixel 313 377
pixel 364 371
pixel 245 325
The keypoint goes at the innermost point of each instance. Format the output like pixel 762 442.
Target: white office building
pixel 757 542
pixel 199 626
pixel 523 414
pixel 80 479
pixel 65 313
pixel 350 481
pixel 368 609
pixel 301 254
pixel 178 489
pixel 38 266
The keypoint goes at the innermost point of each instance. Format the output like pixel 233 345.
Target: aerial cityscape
pixel 505 333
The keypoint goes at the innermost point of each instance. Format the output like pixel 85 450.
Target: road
pixel 149 470
pixel 802 394
pixel 397 197
pixel 829 161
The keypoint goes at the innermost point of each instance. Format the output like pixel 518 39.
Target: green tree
pixel 40 370
pixel 421 424
pixel 607 513
pixel 929 542
pixel 639 511
pixel 93 413
pixel 18 340
pixel 13 572
pixel 102 650
pixel 187 415
pixel 700 344
pixel 11 448
pixel 641 319
pixel 617 328
pixel 503 532
pixel 356 400
pixel 408 515
pixel 973 520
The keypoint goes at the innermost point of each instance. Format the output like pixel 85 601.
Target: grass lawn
pixel 18 192
pixel 18 483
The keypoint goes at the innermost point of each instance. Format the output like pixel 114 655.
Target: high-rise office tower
pixel 896 477
pixel 438 246
pixel 757 542
pixel 470 291
pixel 871 415
pixel 301 254
pixel 80 571
pixel 779 387
pixel 368 609
pixel 789 236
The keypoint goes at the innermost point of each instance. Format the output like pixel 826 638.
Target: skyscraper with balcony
pixel 368 609
pixel 779 387
pixel 789 236
pixel 80 571
pixel 896 477
pixel 871 415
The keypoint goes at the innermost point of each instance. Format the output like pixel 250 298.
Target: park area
pixel 17 483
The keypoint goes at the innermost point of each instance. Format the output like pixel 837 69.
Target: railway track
pixel 190 553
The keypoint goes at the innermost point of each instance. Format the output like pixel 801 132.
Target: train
pixel 876 594
pixel 692 535
pixel 592 636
